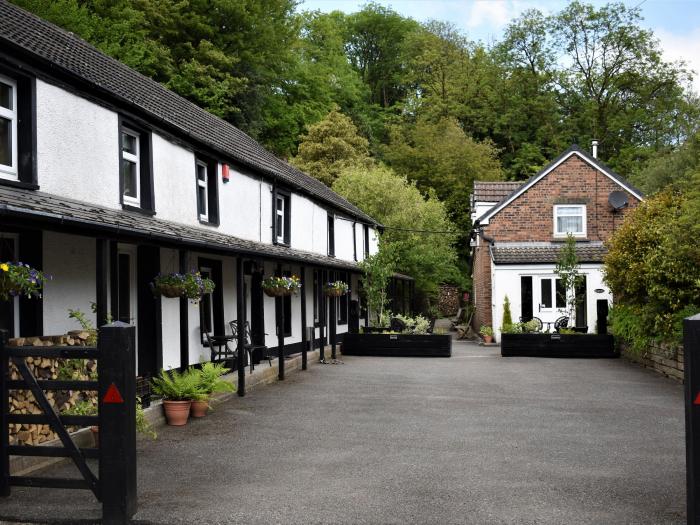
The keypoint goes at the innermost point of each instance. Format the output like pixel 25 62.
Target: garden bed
pixel 398 345
pixel 558 345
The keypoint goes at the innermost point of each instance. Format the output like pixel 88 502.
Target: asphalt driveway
pixel 472 439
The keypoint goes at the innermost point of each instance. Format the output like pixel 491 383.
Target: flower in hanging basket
pixel 336 289
pixel 191 285
pixel 280 286
pixel 19 279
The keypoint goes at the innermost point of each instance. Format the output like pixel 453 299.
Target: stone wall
pixel 665 359
pixel 22 401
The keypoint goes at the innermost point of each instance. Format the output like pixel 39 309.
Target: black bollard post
pixel 691 345
pixel 117 417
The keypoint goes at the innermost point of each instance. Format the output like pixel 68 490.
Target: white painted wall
pixel 373 241
pixel 480 208
pixel 240 204
pixel 70 259
pixel 170 313
pixel 506 281
pixel 344 248
pixel 77 147
pixel 302 227
pixel 174 182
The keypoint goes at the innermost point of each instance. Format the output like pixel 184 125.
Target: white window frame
pixel 135 158
pixel 279 232
pixel 582 207
pixel 10 172
pixel 205 185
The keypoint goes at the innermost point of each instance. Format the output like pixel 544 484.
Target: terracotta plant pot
pixel 96 435
pixel 199 408
pixel 488 339
pixel 177 412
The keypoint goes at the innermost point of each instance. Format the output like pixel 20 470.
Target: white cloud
pixel 492 13
pixel 686 47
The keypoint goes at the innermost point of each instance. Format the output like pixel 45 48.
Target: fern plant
pixel 178 386
pixel 210 379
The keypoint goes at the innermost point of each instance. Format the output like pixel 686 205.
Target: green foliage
pixel 486 330
pixel 674 168
pixel 210 380
pixel 19 279
pixel 428 254
pixel 178 386
pixel 567 270
pixel 85 324
pixel 507 320
pixel 529 327
pixel 86 407
pixel 417 325
pixel 72 369
pixel 653 269
pixel 330 146
pixel 377 270
pixel 142 424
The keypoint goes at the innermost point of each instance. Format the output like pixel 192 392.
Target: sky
pixel 676 23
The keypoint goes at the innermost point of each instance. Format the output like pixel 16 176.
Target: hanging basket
pixel 334 292
pixel 336 289
pixel 277 292
pixel 169 290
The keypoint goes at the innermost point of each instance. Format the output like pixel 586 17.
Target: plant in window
pixel 336 289
pixel 19 279
pixel 191 285
pixel 275 286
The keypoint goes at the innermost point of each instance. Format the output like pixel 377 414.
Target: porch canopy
pixel 27 208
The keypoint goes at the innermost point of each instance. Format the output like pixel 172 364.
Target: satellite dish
pixel 617 199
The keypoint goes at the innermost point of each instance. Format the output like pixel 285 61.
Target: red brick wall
pixel 482 285
pixel 530 217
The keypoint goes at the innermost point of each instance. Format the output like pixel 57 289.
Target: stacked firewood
pixel 23 402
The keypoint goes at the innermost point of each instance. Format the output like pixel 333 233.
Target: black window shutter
pixel 287 219
pixel 26 129
pixel 146 174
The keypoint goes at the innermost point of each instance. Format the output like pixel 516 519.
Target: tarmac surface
pixel 475 438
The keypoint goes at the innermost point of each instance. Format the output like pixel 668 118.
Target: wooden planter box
pixel 558 345
pixel 398 345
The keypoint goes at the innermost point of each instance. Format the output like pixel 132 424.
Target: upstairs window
pixel 131 167
pixel 8 128
pixel 202 191
pixel 570 219
pixel 281 222
pixel 365 232
pixel 17 129
pixel 207 191
pixel 331 236
pixel 135 176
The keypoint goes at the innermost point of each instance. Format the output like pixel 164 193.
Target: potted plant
pixel 191 285
pixel 487 333
pixel 275 286
pixel 178 390
pixel 210 382
pixel 19 279
pixel 336 289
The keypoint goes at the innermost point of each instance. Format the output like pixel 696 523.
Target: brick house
pixel 520 228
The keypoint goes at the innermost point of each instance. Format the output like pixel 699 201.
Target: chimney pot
pixel 594 148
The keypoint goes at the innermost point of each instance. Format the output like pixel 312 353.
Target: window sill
pixel 19 184
pixel 209 223
pixel 562 238
pixel 283 244
pixel 136 209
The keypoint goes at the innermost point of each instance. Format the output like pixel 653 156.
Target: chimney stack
pixel 594 148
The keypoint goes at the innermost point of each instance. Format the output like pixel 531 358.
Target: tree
pixel 653 267
pixel 507 321
pixel 568 272
pixel 440 157
pixel 377 270
pixel 417 227
pixel 675 168
pixel 330 146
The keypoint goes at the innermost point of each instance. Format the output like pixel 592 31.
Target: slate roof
pixel 522 253
pixel 65 53
pixel 50 209
pixel 487 191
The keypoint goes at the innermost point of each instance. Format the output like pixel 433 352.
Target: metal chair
pixel 248 346
pixel 560 323
pixel 216 353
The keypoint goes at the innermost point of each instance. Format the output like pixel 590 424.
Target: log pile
pixel 22 401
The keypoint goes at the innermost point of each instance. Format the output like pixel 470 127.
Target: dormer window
pixel 570 219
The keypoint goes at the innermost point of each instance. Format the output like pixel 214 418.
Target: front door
pixel 548 299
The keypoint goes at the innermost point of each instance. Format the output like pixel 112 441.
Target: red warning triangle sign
pixel 697 399
pixel 113 395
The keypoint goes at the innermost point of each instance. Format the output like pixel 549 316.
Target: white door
pixel 549 301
